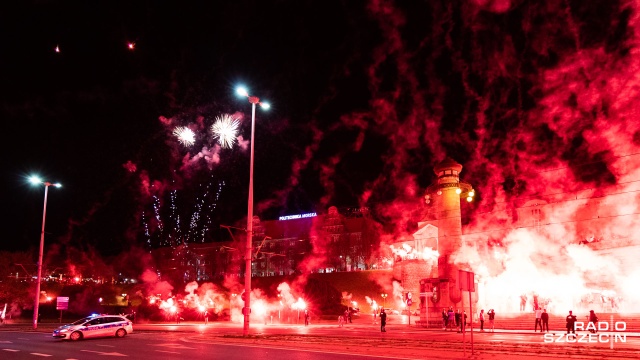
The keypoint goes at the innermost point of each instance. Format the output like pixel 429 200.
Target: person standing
pixel 492 316
pixel 571 321
pixel 451 318
pixel 383 320
pixel 307 316
pixel 538 313
pixel 206 317
pixel 445 318
pixel 464 320
pixel 593 322
pixel 523 302
pixel 545 320
pixel 458 319
pixel 340 321
pixel 481 318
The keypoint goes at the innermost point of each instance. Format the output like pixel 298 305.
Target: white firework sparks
pixel 185 135
pixel 225 130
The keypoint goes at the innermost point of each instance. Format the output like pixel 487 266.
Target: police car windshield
pixel 82 321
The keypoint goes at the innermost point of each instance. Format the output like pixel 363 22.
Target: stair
pixel 526 322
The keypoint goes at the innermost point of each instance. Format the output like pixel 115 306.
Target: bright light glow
pixel 58 185
pixel 458 191
pixel 469 198
pixel 242 91
pixel 185 135
pixel 201 308
pixel 35 180
pixel 57 48
pixel 265 105
pixel 131 45
pixel 100 300
pixel 225 129
pixel 299 305
pixel 471 193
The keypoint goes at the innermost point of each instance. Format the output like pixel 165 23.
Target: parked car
pixel 95 326
pixel 414 313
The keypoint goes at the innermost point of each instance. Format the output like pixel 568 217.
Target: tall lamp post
pixel 247 273
pixel 36 306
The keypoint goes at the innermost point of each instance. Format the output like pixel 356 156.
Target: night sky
pixel 366 97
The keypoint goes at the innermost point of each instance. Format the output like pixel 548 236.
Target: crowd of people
pixel 458 320
pixel 452 318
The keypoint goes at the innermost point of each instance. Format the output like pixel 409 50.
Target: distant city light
pixel 57 48
pixel 131 45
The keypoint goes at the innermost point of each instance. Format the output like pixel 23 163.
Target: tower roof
pixel 447 164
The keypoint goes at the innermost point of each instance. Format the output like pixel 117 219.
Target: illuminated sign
pixel 299 216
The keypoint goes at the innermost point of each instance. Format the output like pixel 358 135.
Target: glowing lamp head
pixel 131 45
pixel 201 308
pixel 439 192
pixel 35 180
pixel 458 191
pixel 471 193
pixel 265 105
pixel 469 198
pixel 58 185
pixel 242 91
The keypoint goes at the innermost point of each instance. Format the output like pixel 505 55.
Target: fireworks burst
pixel 225 130
pixel 185 135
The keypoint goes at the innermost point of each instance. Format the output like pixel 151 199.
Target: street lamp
pixel 36 180
pixel 247 273
pixel 384 300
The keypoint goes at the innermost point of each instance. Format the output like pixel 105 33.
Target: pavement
pixel 187 326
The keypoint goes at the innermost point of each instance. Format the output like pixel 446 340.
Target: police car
pixel 95 326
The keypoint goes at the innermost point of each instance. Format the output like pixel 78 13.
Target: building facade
pixel 330 242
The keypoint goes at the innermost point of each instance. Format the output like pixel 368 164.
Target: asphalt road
pixel 145 346
pixel 360 340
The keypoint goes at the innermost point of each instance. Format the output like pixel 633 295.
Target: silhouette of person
pixel 545 320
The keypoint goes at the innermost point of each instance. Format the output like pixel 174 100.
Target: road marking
pixel 6 342
pixel 105 345
pixel 38 354
pixel 12 350
pixel 170 352
pixel 105 353
pixel 173 346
